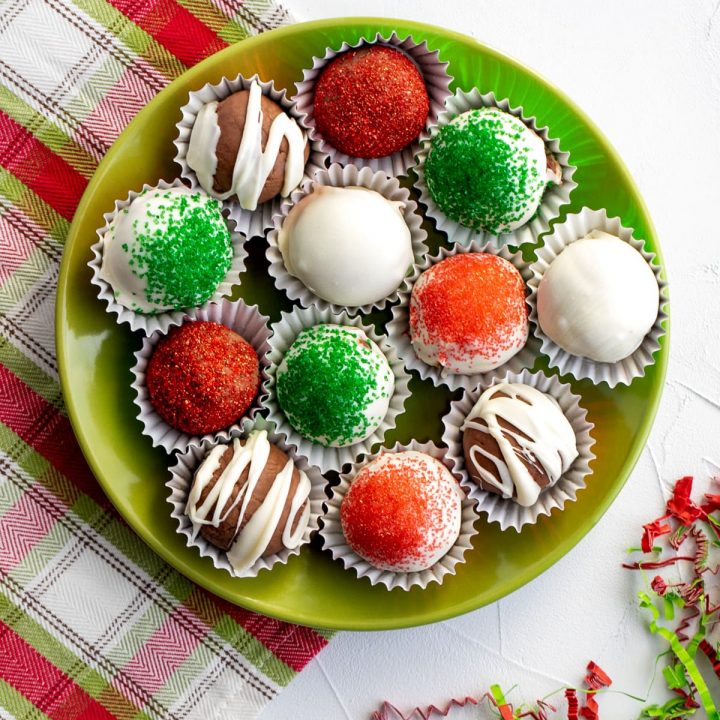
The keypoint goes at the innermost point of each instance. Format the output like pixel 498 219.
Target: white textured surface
pixel 648 73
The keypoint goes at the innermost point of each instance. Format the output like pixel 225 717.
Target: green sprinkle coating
pixel 181 248
pixel 334 385
pixel 487 170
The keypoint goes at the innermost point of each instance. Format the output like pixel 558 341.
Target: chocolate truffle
pixel 517 442
pixel 249 499
pixel 598 299
pixel 169 249
pixel 488 171
pixel 247 146
pixel 202 377
pixel 334 385
pixel 402 512
pixel 370 102
pixel 468 313
pixel 348 245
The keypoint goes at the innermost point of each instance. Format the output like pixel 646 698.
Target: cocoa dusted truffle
pixel 370 102
pixel 517 442
pixel 202 377
pixel 402 512
pixel 247 146
pixel 249 499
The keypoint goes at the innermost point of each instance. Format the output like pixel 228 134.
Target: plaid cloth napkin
pixel 92 623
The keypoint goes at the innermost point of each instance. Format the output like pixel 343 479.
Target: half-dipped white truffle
pixel 598 299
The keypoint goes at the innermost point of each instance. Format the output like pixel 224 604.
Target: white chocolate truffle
pixel 517 441
pixel 598 299
pixel 402 512
pixel 348 245
pixel 169 249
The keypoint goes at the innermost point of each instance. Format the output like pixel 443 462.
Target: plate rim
pixel 532 571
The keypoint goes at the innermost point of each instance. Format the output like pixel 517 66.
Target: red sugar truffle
pixel 202 377
pixel 371 102
pixel 402 512
pixel 468 313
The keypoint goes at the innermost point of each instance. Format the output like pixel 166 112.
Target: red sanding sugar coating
pixel 472 300
pixel 402 511
pixel 371 102
pixel 202 377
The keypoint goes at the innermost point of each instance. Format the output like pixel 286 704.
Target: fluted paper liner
pixel 182 473
pixel 398 329
pixel 284 333
pixel 334 539
pixel 252 223
pixel 145 322
pixel 506 512
pixel 623 372
pixel 348 176
pixel 555 195
pixel 437 82
pixel 245 320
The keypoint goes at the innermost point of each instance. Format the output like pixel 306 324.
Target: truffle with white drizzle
pixel 517 442
pixel 249 499
pixel 247 146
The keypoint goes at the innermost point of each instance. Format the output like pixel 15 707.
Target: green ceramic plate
pixel 95 354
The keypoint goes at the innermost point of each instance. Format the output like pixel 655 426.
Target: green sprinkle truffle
pixel 171 250
pixel 334 385
pixel 487 170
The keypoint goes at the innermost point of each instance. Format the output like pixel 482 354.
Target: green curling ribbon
pixel 685 657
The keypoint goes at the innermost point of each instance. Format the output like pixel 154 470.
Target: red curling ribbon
pixel 654 529
pixel 573 704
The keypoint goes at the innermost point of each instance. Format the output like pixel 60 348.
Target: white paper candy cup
pixel 348 176
pixel 623 372
pixel 245 320
pixel 555 195
pixel 399 332
pixel 147 323
pixel 284 333
pixel 252 223
pixel 506 512
pixel 437 82
pixel 334 540
pixel 182 473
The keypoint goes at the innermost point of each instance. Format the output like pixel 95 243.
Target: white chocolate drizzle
pixel 252 164
pixel 545 439
pixel 251 542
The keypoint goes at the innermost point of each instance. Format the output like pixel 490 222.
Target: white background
pixel 648 73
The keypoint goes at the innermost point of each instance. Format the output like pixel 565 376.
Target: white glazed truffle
pixel 348 245
pixel 169 249
pixel 598 299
